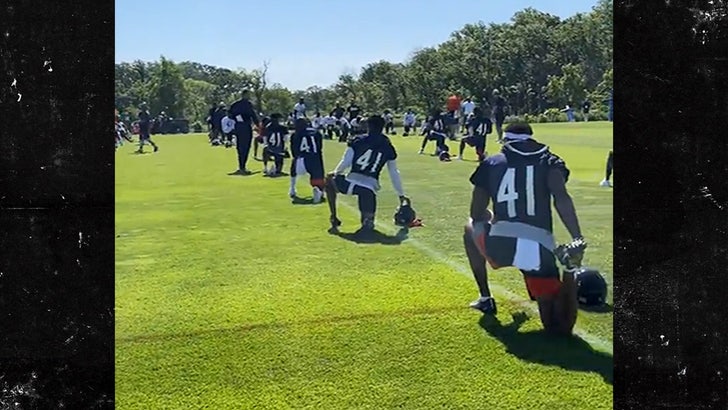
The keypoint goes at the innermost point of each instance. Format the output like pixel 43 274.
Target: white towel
pixel 528 255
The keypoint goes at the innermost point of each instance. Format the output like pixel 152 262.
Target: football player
pixel 436 132
pixel 276 137
pixel 389 123
pixel 409 122
pixel 260 139
pixel 307 145
pixel 521 181
pixel 478 127
pixel 345 128
pixel 610 165
pixel 366 155
pixel 145 124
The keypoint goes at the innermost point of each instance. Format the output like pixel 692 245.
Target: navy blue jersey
pixel 436 125
pixel 275 137
pixel 480 126
pixel 145 121
pixel 371 153
pixel 242 111
pixel 499 106
pixel 307 143
pixel 517 183
pixel 144 118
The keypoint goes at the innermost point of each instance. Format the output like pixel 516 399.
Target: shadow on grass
pixel 605 308
pixel 569 353
pixel 278 175
pixel 237 174
pixel 374 237
pixel 297 200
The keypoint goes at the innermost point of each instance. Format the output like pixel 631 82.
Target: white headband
pixel 516 137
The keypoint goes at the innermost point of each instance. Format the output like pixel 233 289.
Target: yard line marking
pixel 595 341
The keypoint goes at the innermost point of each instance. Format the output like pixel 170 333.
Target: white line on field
pixel 594 341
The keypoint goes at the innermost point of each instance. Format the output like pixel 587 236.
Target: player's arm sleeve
pixel 479 178
pixel 320 141
pixel 345 162
pixel 295 145
pixel 394 175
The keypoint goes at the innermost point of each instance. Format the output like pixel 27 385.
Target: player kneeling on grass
pixel 479 126
pixel 366 155
pixel 274 148
pixel 437 132
pixel 521 180
pixel 306 145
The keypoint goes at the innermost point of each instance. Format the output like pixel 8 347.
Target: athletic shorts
pixel 475 141
pixel 312 165
pixel 350 188
pixel 536 263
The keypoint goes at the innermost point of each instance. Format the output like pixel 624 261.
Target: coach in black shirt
pixel 338 111
pixel 353 110
pixel 243 113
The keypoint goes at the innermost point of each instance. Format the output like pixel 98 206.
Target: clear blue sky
pixel 308 42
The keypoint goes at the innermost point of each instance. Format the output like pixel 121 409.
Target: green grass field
pixel 230 297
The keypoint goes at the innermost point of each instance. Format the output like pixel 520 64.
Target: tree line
pixel 537 61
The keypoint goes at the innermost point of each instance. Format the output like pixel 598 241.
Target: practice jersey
pixel 479 126
pixel 437 126
pixel 299 110
pixel 409 119
pixel 275 137
pixel 307 143
pixel 517 181
pixel 371 154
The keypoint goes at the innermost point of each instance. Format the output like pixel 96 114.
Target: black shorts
pixel 475 141
pixel 501 252
pixel 348 188
pixel 434 136
pixel 309 164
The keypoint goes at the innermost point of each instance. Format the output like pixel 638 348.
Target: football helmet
pixel 404 215
pixel 591 287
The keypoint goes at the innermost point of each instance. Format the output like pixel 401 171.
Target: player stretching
pixel 478 127
pixel 276 137
pixel 436 132
pixel 306 145
pixel 366 155
pixel 521 180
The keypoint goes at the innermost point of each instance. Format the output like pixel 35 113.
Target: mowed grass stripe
pixel 228 296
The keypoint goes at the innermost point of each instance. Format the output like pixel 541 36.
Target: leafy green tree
pixel 167 90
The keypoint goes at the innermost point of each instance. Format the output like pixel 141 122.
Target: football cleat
pixel 404 215
pixel 485 304
pixel 605 183
pixel 591 287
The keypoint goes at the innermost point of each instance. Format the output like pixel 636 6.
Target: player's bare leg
pixel 424 144
pixel 330 189
pixel 265 162
pixel 256 144
pixel 367 207
pixel 462 149
pixel 485 303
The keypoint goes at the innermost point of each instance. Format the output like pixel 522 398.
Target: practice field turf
pixel 230 297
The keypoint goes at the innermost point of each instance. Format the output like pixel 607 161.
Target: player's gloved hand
pixel 571 254
pixel 478 231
